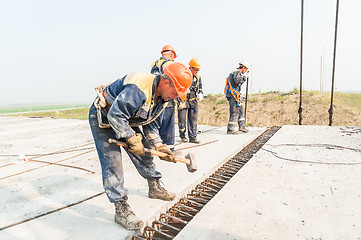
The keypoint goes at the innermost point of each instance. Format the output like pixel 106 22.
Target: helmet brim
pixel 182 96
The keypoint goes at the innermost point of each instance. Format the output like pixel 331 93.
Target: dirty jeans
pixel 167 128
pixel 111 160
pixel 189 115
pixel 236 115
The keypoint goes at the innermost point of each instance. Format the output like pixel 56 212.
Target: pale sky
pixel 58 51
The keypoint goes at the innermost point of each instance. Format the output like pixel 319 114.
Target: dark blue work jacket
pixel 133 104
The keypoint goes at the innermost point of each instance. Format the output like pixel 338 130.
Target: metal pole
pixel 301 61
pixel 245 107
pixel 330 111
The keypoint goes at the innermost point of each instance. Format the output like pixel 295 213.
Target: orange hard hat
pixel 195 63
pixel 168 48
pixel 181 77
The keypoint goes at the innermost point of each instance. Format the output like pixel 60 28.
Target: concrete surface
pixel 32 189
pixel 293 188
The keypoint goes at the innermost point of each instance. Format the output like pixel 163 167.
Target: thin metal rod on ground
pixel 198 145
pixel 52 211
pixel 32 169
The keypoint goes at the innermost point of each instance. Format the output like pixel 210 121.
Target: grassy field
pixel 278 108
pixel 75 112
pixel 263 109
pixel 37 107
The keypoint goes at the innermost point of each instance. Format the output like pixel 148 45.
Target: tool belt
pixel 102 105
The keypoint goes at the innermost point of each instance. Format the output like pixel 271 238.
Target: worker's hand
pixel 135 144
pixel 181 105
pixel 200 97
pixel 165 149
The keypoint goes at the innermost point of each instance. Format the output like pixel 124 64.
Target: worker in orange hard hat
pixel 168 55
pixel 188 109
pixel 120 109
pixel 167 128
pixel 233 94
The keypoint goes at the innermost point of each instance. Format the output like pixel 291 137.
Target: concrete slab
pixel 32 189
pixel 304 184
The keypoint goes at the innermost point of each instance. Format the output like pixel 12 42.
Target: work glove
pixel 200 97
pixel 165 149
pixel 181 105
pixel 135 144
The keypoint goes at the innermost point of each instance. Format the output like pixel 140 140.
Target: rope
pixel 327 146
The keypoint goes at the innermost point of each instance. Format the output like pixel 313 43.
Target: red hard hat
pixel 181 76
pixel 168 48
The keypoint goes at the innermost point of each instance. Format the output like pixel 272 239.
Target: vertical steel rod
pixel 330 110
pixel 301 62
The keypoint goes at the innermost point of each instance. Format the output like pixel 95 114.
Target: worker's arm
pixel 200 89
pixel 238 78
pixel 125 105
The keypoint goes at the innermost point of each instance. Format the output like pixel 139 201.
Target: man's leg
pixel 192 124
pixel 233 116
pixel 167 128
pixel 182 114
pixel 146 168
pixel 242 120
pixel 112 173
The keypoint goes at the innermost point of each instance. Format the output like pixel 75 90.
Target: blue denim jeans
pixel 167 128
pixel 111 160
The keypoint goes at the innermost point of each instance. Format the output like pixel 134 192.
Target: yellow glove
pixel 165 149
pixel 135 144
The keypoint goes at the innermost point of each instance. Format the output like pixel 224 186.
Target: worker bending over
pixel 188 109
pixel 118 112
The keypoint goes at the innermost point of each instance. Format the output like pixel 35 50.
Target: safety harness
pixel 102 103
pixel 229 89
pixel 194 89
pixel 157 67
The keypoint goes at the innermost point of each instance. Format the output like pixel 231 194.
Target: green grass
pixel 353 100
pixel 79 113
pixel 37 107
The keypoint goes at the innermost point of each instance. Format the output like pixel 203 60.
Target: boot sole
pixel 164 199
pixel 137 226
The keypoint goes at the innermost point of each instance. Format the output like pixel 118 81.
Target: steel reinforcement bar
pixel 178 216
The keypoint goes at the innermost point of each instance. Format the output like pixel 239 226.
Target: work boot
pixel 158 192
pixel 125 216
pixel 233 132
pixel 243 129
pixel 194 140
pixel 184 139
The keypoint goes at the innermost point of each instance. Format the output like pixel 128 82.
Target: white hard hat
pixel 244 63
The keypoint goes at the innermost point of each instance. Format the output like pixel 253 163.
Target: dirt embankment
pixel 277 109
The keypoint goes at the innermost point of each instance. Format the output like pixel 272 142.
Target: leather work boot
pixel 194 140
pixel 243 129
pixel 233 132
pixel 184 139
pixel 156 191
pixel 126 217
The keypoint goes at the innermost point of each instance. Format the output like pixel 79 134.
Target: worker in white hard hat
pixel 235 100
